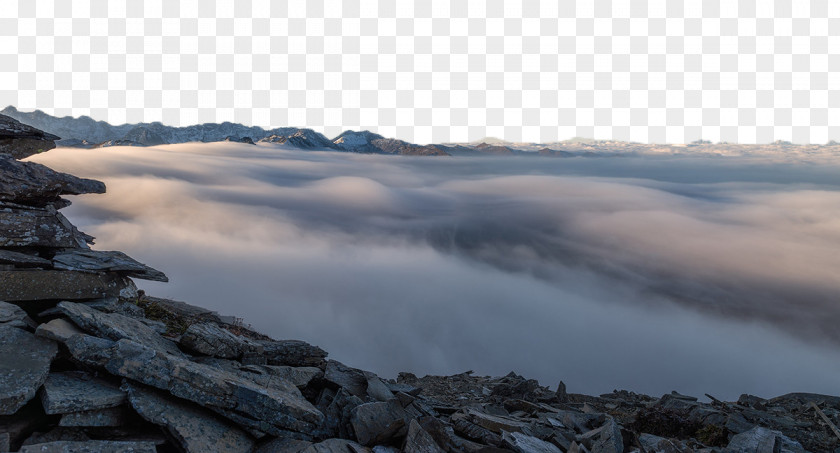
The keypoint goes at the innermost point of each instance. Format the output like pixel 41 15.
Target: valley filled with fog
pixel 703 275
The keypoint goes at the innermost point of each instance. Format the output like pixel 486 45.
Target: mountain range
pixel 85 132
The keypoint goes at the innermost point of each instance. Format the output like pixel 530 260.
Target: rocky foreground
pixel 88 363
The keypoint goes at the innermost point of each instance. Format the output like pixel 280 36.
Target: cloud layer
pixel 652 274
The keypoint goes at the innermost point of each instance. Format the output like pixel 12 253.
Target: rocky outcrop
pixel 20 140
pixel 88 363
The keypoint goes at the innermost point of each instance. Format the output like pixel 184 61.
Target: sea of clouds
pixel 718 275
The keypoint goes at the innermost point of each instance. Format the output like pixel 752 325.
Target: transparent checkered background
pixel 436 71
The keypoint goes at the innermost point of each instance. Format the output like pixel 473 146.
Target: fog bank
pixel 715 275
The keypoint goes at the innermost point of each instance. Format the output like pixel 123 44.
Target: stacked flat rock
pixel 89 364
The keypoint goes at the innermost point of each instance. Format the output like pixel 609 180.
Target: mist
pixel 701 275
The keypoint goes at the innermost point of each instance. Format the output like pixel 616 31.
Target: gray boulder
pixel 336 446
pixel 24 368
pixel 378 422
pixel 351 379
pixel 656 444
pixel 419 441
pixel 283 445
pixel 195 429
pixel 762 440
pixel 610 440
pixel 68 392
pixel 115 326
pixel 210 339
pixel 101 261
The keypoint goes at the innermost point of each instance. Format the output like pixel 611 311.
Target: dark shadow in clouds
pixel 702 275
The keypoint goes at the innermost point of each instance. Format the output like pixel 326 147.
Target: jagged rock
pixel 24 367
pixel 275 410
pixel 20 140
pixel 337 408
pixel 18 259
pixel 300 377
pixel 112 416
pixel 379 422
pixel 293 353
pixel 656 444
pixel 470 430
pixel 523 443
pixel 91 446
pixel 25 226
pixel 67 392
pixel 34 184
pixel 210 339
pixel 182 309
pixel 58 330
pixel 283 445
pixel 5 442
pixel 101 261
pixel 377 389
pixel 610 440
pixel 336 446
pixel 29 285
pixel 494 423
pixel 193 428
pixel 115 327
pixel 419 441
pixel 351 379
pixel 11 315
pixel 762 440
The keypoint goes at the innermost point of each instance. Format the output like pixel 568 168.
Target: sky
pixel 652 274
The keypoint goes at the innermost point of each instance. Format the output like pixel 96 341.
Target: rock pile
pixel 88 363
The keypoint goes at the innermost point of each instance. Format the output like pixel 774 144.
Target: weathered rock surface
pixel 59 330
pixel 379 422
pixel 35 184
pixel 99 261
pixel 194 429
pixel 23 260
pixel 762 440
pixel 28 285
pixel 91 446
pixel 13 316
pixel 24 367
pixel 67 392
pixel 22 226
pixel 293 353
pixel 351 379
pixel 20 140
pixel 210 339
pixel 283 445
pixel 109 417
pixel 523 443
pixel 272 410
pixel 418 440
pixel 115 326
pixel 336 446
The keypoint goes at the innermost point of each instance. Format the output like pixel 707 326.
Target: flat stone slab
pixel 22 226
pixel 274 410
pixel 104 261
pixel 419 440
pixel 110 417
pixel 24 367
pixel 293 353
pixel 115 326
pixel 522 443
pixel 379 422
pixel 18 259
pixel 68 392
pixel 58 330
pixel 209 338
pixel 195 429
pixel 26 285
pixel 91 446
pixel 32 183
pixel 11 313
